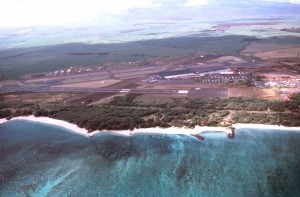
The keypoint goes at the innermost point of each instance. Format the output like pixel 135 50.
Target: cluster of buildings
pixel 220 78
pixel 289 83
pixel 285 93
pixel 90 69
pixel 286 83
pixel 260 84
pixel 210 76
pixel 77 70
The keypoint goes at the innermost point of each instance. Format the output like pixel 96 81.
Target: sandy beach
pixel 2 121
pixel 263 126
pixel 74 128
pixel 172 130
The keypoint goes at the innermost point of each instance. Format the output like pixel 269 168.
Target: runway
pixel 16 88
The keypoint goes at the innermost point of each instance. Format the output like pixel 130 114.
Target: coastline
pixel 264 126
pixel 156 130
pixel 195 132
pixel 3 120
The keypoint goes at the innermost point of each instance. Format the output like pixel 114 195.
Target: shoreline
pixel 154 130
pixel 195 132
pixel 264 126
pixel 3 120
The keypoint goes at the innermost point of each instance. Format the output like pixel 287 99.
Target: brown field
pixel 38 97
pixel 162 87
pixel 281 75
pixel 268 93
pixel 88 98
pixel 128 83
pixel 79 80
pixel 242 92
pixel 150 86
pixel 104 100
pixel 140 73
pixel 90 84
pixel 278 54
pixel 291 63
pixel 153 99
pixel 277 71
pixel 269 51
pixel 59 98
pixel 231 59
pixel 38 80
pixel 264 47
pixel 5 82
pixel 130 77
pixel 205 93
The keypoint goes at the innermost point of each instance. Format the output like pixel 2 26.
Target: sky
pixel 26 13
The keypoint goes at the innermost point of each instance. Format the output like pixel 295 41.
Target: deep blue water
pixel 41 160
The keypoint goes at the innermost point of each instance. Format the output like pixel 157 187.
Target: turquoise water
pixel 41 160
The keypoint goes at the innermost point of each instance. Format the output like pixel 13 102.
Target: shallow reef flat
pixel 256 162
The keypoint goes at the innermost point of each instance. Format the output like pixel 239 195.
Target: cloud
pixel 285 1
pixel 195 3
pixel 45 12
pixel 24 13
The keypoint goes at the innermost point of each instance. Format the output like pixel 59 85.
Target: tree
pixel 5 114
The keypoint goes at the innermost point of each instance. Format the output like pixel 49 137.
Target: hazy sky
pixel 22 13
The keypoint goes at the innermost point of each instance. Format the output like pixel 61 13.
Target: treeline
pixel 5 114
pixel 123 113
pixel 107 117
pixel 216 104
pixel 286 119
pixel 8 114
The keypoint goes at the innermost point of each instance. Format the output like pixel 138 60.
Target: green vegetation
pixel 105 117
pixel 30 60
pixel 4 114
pixel 124 112
pixel 287 119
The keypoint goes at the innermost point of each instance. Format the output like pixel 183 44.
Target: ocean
pixel 44 160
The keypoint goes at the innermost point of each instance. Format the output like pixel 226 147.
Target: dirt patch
pixel 268 93
pixel 205 93
pixel 257 47
pixel 90 84
pixel 38 97
pixel 79 80
pixel 126 84
pixel 242 92
pixel 105 99
pixel 279 54
pixel 140 73
pixel 154 99
pixel 86 99
pixel 269 51
pixel 229 59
